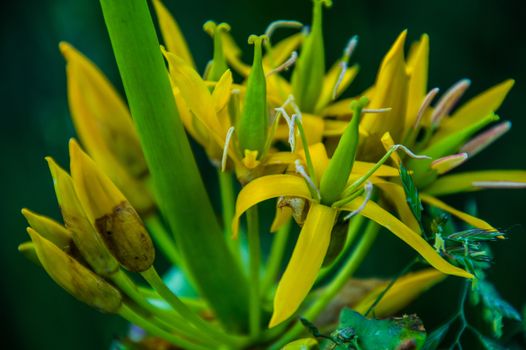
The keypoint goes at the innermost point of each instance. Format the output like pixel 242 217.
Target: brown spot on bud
pixel 127 238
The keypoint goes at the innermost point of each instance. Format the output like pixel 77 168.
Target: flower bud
pixel 76 279
pixel 307 78
pixel 110 213
pixel 335 177
pixel 49 229
pixel 252 128
pixel 28 250
pixel 88 242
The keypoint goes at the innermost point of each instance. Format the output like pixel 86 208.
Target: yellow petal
pixel 49 229
pixel 313 126
pixel 282 216
pixel 339 108
pixel 305 262
pixel 76 279
pixel 282 50
pixel 110 213
pixel 267 187
pixel 101 118
pixel 222 91
pixel 406 289
pixel 196 95
pixel 476 108
pixel 388 142
pixel 383 171
pixel 172 36
pixel 472 220
pixel 390 90
pixel 374 212
pixel 417 68
pixel 319 158
pixel 465 182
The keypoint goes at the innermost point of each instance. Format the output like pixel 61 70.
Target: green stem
pixel 156 282
pixel 130 315
pixel 276 256
pixel 163 239
pixel 161 317
pixel 179 188
pixel 228 200
pixel 335 285
pixel 254 248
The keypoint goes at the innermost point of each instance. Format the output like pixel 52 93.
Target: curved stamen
pixel 315 192
pixel 285 65
pixel 368 190
pixel 273 26
pixel 448 101
pixel 224 157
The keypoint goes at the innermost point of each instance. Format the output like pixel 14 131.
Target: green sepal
pixel 307 78
pixel 334 179
pixel 252 127
pixel 218 64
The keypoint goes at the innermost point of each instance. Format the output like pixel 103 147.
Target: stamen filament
pixel 499 184
pixel 273 26
pixel 312 186
pixel 376 110
pixel 480 142
pixel 368 189
pixel 224 157
pixel 424 106
pixel 285 65
pixel 448 101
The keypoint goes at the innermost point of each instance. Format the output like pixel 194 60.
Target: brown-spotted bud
pixel 110 213
pixel 89 243
pixel 75 278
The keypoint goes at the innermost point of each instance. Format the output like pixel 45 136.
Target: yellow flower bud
pixel 110 213
pixel 76 279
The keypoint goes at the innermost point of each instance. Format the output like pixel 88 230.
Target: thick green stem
pixel 228 200
pixel 163 239
pixel 335 285
pixel 179 189
pixel 254 248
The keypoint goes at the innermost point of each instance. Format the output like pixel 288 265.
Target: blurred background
pixel 480 40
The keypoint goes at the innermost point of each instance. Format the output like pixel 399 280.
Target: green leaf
pixel 411 194
pixel 435 338
pixel 489 344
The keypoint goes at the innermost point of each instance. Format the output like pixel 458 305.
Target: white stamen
pixel 343 69
pixel 423 107
pixel 368 189
pixel 349 49
pixel 281 24
pixel 499 184
pixel 409 152
pixel 347 52
pixel 483 140
pixel 448 101
pixel 285 65
pixel 292 133
pixel 301 170
pixel 225 147
pixel 376 110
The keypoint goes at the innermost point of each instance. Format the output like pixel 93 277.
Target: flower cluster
pixel 340 169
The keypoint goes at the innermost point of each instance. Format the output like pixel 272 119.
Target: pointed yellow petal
pixel 406 289
pixel 390 90
pixel 222 91
pixel 27 249
pixel 472 220
pixel 49 229
pixel 319 158
pixel 101 118
pixel 470 181
pixel 110 213
pixel 76 279
pixel 383 171
pixel 196 95
pixel 476 108
pixel 282 50
pixel 417 68
pixel 388 142
pixel 305 263
pixel 339 108
pixel 374 212
pixel 267 187
pixel 172 36
pixel 282 216
pixel 87 241
pixel 313 126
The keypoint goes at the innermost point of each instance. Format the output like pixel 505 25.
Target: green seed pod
pixel 252 128
pixel 340 166
pixel 308 75
pixel 76 279
pixel 115 220
pixel 218 65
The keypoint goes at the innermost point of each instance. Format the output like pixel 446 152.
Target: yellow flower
pixel 325 204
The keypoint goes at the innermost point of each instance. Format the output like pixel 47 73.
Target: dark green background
pixel 480 40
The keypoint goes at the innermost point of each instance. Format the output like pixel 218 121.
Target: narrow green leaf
pixel 435 338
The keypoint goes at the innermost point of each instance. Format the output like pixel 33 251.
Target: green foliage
pixel 411 193
pixel 357 332
pixel 435 338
